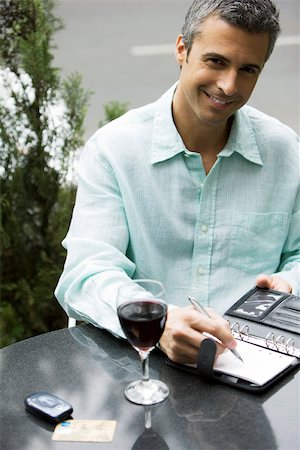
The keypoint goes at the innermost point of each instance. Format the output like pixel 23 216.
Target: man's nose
pixel 227 82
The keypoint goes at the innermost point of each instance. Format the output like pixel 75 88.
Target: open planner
pixel 260 365
pixel 268 354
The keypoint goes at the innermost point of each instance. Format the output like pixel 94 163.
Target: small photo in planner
pixel 258 304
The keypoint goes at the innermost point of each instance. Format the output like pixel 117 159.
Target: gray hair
pixel 255 16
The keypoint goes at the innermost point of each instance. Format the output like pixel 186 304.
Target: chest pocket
pixel 256 241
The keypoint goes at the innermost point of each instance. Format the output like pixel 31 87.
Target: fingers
pixel 273 282
pixel 180 341
pixel 185 330
pixel 264 281
pixel 220 329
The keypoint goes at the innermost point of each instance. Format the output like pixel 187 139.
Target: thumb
pixel 264 281
pixel 273 282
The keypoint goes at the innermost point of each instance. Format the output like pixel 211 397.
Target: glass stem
pixel 145 365
pixel 148 423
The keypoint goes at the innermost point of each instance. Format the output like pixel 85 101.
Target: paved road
pixel 109 41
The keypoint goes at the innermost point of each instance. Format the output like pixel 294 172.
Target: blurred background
pixel 66 68
pixel 125 51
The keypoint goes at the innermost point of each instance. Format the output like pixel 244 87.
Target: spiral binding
pixel 271 341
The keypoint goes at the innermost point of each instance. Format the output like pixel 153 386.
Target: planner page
pixel 260 364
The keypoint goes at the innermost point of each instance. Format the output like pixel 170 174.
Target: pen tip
pixel 238 355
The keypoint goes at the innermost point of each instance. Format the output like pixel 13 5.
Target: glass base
pixel 147 392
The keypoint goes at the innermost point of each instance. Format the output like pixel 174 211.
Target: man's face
pixel 220 72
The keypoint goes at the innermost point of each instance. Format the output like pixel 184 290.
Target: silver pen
pixel 198 307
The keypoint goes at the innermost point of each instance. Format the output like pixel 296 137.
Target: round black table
pixel 89 368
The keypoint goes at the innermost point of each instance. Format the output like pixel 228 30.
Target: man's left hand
pixel 273 282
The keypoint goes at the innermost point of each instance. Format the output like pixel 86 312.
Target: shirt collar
pixel 167 142
pixel 242 138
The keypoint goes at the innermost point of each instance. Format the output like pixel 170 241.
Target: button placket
pixel 204 235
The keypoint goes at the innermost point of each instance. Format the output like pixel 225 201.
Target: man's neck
pixel 207 140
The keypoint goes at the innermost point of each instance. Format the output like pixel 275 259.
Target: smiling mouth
pixel 218 100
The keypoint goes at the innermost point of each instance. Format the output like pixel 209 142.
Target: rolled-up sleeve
pixel 96 245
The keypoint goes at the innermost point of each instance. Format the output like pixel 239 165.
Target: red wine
pixel 143 322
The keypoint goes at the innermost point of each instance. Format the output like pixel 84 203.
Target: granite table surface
pixel 90 368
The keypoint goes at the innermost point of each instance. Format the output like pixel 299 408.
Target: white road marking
pixel 169 49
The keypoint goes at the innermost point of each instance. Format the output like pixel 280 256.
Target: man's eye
pixel 216 61
pixel 250 70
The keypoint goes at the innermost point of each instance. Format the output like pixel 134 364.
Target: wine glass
pixel 142 312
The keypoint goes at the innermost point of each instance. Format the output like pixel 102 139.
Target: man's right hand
pixel 184 330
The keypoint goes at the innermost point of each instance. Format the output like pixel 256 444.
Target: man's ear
pixel 180 51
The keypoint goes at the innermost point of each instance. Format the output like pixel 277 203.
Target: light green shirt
pixel 145 208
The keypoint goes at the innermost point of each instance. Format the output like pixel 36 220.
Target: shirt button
pixel 200 270
pixel 204 228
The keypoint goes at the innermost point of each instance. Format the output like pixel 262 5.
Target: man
pixel 195 190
